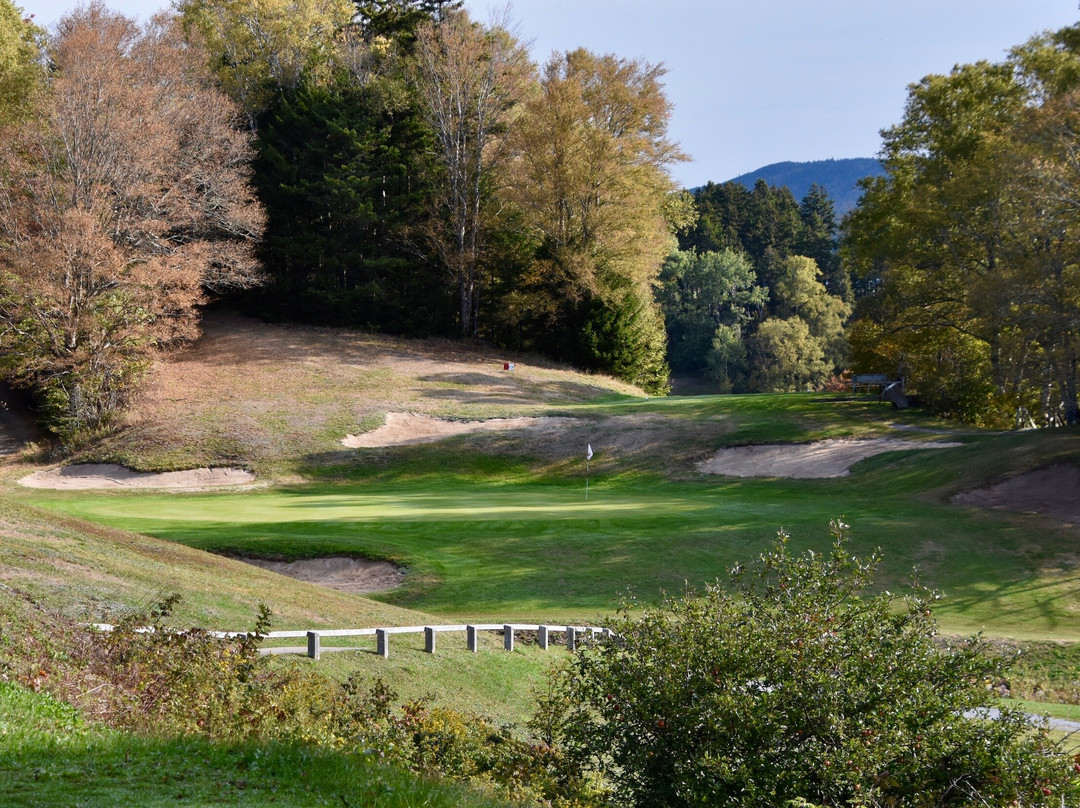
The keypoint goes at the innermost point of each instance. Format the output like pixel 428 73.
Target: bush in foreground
pixel 796 685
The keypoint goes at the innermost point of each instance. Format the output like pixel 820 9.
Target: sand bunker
pixel 1053 491
pixel 338 572
pixel 405 428
pixel 110 475
pixel 826 458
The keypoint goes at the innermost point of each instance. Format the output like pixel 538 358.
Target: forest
pixel 397 166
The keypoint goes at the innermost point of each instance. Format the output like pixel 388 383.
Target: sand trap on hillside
pixel 826 458
pixel 110 475
pixel 338 572
pixel 405 428
pixel 1053 491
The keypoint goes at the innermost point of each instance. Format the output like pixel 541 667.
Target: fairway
pixel 529 550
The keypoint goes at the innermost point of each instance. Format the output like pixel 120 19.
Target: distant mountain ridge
pixel 838 177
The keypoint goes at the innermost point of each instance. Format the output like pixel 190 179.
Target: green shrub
pixel 796 684
pixel 438 741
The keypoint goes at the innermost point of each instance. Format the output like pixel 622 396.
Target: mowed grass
pixel 487 533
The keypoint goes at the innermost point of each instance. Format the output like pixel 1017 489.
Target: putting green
pixel 479 503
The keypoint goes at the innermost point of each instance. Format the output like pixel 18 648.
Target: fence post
pixel 470 637
pixel 313 649
pixel 541 637
pixel 429 639
pixel 508 637
pixel 571 638
pixel 382 643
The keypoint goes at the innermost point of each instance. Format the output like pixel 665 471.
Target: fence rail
pixel 574 635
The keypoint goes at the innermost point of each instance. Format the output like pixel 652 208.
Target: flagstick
pixel 586 479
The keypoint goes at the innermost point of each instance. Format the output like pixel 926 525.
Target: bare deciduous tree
pixel 469 79
pixel 122 204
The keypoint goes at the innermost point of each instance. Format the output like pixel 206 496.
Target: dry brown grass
pixel 272 397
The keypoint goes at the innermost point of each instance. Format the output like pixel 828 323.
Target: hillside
pixel 274 398
pixel 839 177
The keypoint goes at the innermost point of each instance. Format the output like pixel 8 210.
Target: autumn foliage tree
pixel 124 202
pixel 590 180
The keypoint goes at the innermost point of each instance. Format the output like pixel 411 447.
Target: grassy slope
pixel 97 573
pixel 279 398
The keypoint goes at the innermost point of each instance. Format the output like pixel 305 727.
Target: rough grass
pixel 49 756
pixel 493 683
pixel 279 397
pixel 96 573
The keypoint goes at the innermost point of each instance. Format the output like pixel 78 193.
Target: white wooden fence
pixel 574 635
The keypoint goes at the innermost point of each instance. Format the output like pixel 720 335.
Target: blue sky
pixel 756 82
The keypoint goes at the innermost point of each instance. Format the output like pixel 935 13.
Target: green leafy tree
pixel 22 72
pixel 256 47
pixel 802 344
pixel 796 684
pixel 708 300
pixel 400 18
pixel 965 248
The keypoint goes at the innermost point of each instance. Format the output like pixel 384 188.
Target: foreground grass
pixel 50 757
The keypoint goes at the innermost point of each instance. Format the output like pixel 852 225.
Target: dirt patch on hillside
pixel 1053 491
pixel 826 458
pixel 407 428
pixel 110 475
pixel 356 575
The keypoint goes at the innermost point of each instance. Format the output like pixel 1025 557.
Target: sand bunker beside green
pixel 826 458
pixel 110 475
pixel 357 575
pixel 408 428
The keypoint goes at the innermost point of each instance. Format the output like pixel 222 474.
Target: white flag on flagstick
pixel 588 452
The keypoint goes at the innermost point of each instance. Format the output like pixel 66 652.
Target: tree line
pixel 391 164
pixel 399 166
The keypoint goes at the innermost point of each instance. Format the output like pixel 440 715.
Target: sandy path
pixel 407 428
pixel 826 458
pixel 345 574
pixel 109 475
